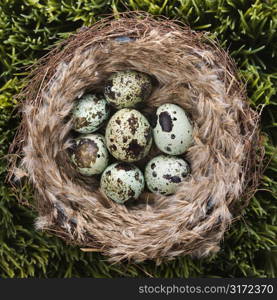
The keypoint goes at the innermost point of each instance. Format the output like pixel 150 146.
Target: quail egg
pixel 127 88
pixel 172 129
pixel 122 181
pixel 89 154
pixel 89 113
pixel 163 173
pixel 128 135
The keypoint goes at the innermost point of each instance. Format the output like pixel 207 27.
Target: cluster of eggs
pixel 129 138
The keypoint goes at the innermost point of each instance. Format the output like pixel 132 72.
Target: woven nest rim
pixel 205 83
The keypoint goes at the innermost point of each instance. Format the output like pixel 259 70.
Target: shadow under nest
pixel 190 70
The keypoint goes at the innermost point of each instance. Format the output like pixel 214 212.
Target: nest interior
pixel 189 70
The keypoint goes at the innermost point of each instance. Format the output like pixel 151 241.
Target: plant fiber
pixel 189 70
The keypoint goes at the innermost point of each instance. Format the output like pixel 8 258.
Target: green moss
pixel 246 28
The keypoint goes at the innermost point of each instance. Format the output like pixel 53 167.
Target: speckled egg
pixel 89 154
pixel 128 135
pixel 127 88
pixel 163 173
pixel 172 129
pixel 89 113
pixel 122 181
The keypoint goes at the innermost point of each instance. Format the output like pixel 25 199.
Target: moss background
pixel 247 28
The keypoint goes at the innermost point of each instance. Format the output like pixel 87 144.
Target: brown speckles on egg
pixel 113 147
pixel 165 121
pixel 133 123
pixel 172 136
pixel 85 153
pixel 130 139
pixel 145 90
pixel 89 154
pixel 137 76
pixel 175 179
pixel 122 182
pixel 134 149
pixel 89 113
pixel 131 193
pixel 127 88
pixel 167 174
pixel 99 114
pixel 97 99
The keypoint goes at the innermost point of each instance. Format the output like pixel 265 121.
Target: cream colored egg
pixel 89 113
pixel 128 135
pixel 127 88
pixel 164 173
pixel 172 129
pixel 122 182
pixel 89 154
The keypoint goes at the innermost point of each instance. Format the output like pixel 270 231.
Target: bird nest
pixel 190 70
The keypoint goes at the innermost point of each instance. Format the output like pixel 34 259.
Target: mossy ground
pixel 246 28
